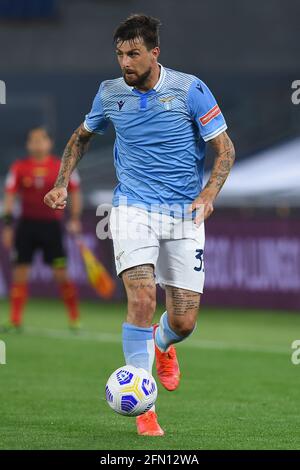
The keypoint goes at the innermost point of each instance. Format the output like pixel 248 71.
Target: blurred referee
pixel 39 227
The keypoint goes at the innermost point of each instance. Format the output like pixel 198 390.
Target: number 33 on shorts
pixel 199 256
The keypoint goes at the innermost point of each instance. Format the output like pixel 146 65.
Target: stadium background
pixel 53 56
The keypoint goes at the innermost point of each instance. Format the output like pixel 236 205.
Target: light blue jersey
pixel 160 141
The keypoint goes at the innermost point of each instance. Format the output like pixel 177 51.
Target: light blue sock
pixel 138 346
pixel 165 336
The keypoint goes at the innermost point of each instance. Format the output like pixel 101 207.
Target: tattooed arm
pixel 74 151
pixel 224 159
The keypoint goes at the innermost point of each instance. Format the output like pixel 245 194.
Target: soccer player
pixel 163 121
pixel 38 227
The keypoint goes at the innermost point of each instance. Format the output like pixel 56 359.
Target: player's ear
pixel 156 52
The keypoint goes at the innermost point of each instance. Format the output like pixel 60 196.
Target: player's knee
pixel 143 304
pixel 141 308
pixel 183 327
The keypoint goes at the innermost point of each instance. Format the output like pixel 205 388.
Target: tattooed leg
pixel 137 332
pixel 140 287
pixel 179 321
pixel 182 307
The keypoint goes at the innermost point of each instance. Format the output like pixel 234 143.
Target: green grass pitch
pixel 239 388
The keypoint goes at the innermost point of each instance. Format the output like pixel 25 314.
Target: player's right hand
pixel 56 198
pixel 7 237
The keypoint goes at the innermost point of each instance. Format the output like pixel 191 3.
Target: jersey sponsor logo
pixel 211 114
pixel 167 102
pixel 121 104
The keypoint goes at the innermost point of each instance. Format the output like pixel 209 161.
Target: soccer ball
pixel 131 391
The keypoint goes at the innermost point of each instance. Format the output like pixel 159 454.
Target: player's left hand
pixel 74 227
pixel 203 205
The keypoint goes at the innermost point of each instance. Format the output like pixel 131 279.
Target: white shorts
pixel 175 247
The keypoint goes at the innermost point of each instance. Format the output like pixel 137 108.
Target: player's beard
pixel 137 81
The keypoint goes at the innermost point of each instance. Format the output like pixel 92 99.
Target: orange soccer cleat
pixel 147 425
pixel 167 366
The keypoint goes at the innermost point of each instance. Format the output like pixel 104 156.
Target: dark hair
pixel 139 26
pixel 39 128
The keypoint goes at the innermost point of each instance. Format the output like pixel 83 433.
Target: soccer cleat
pixel 147 425
pixel 167 366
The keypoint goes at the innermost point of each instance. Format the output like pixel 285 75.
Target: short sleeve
pixel 74 183
pixel 12 183
pixel 95 120
pixel 205 111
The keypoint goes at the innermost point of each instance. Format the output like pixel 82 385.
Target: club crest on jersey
pixel 167 102
pixel 121 104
